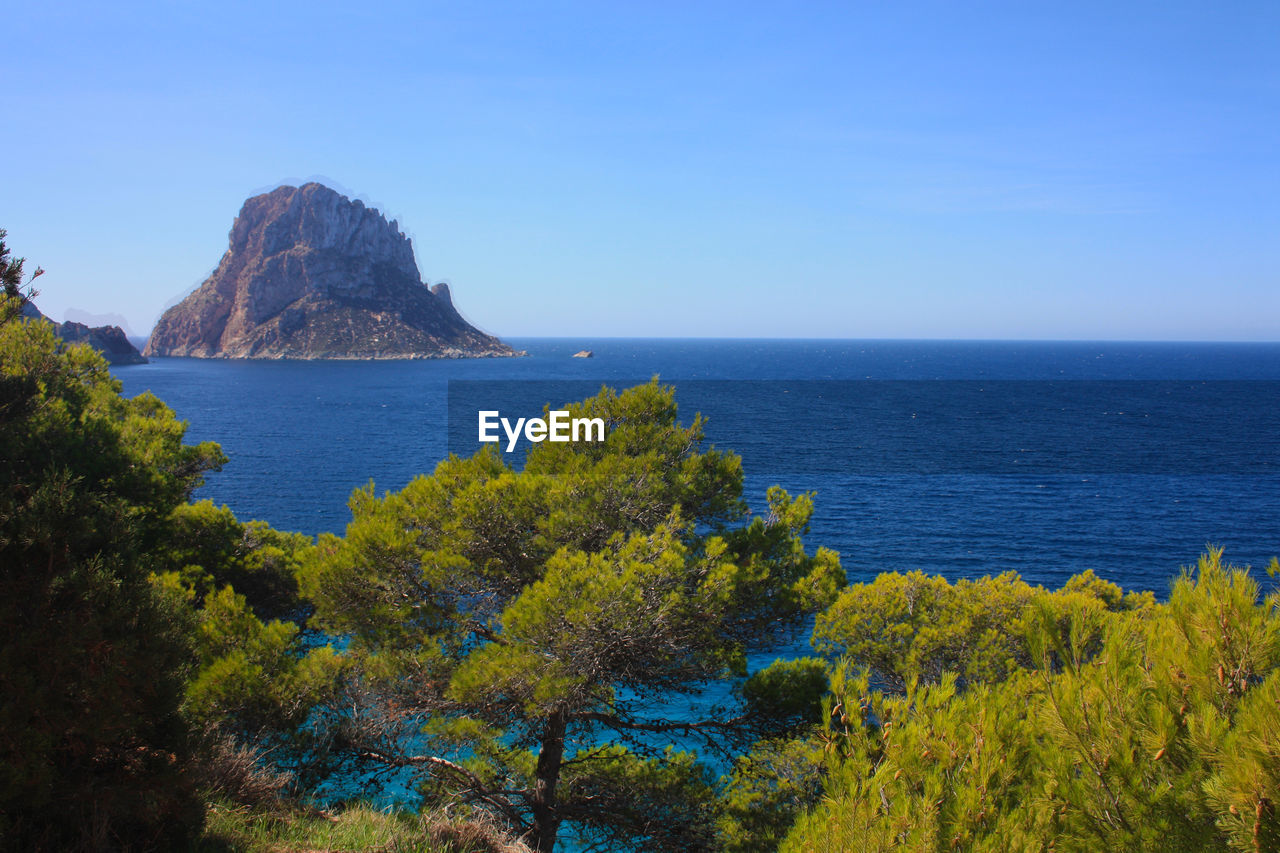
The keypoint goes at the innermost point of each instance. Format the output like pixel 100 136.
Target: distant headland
pixel 311 274
pixel 107 339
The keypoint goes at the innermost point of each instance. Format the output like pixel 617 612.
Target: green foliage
pixel 532 619
pixel 930 768
pixel 212 549
pixel 92 658
pixel 258 679
pixel 1128 726
pixel 767 790
pixel 255 678
pixel 11 282
pixel 913 626
pixel 782 774
pixel 787 695
pixel 662 803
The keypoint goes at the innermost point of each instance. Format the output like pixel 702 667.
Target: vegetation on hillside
pixel 93 661
pixel 1081 720
pixel 291 829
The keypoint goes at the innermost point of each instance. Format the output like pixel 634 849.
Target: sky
pixel 1074 170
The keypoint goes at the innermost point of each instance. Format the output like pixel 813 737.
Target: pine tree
pixel 92 659
pixel 521 631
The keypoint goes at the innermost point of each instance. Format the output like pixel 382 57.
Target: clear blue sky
pixel 942 170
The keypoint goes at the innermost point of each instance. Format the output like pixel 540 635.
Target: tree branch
pixel 497 798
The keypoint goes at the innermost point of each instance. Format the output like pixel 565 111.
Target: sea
pixel 958 458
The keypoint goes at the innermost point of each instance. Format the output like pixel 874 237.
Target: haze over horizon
pixel 997 171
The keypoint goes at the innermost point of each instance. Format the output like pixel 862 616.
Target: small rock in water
pixel 585 353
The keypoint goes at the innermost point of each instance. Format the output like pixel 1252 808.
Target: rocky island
pixel 312 274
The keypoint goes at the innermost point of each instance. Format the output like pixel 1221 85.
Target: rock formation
pixel 108 340
pixel 311 274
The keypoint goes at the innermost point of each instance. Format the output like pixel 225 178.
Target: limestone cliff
pixel 311 274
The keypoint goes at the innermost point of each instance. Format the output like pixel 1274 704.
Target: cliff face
pixel 311 274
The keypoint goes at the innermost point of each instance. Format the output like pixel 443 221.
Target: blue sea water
pixel 961 458
pixel 958 458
